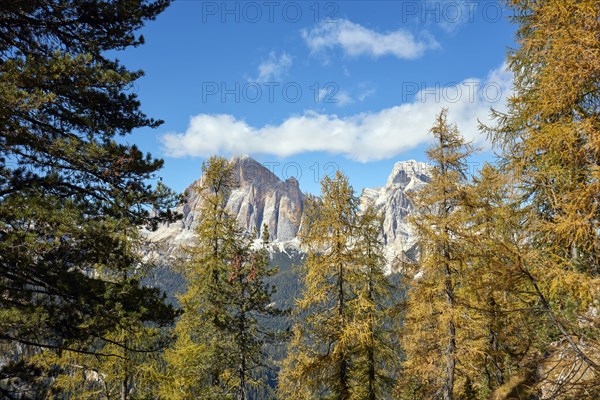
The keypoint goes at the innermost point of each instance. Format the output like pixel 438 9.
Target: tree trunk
pixel 371 351
pixel 448 388
pixel 451 349
pixel 125 381
pixel 344 394
pixel 450 363
pixel 242 375
pixel 124 387
pixel 242 369
pixel 344 391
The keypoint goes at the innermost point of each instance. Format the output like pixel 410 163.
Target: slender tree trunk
pixel 242 376
pixel 242 347
pixel 371 361
pixel 451 349
pixel 344 394
pixel 124 386
pixel 448 389
pixel 215 372
pixel 371 350
pixel 344 390
pixel 125 381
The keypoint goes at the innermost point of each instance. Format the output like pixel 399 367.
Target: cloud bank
pixel 362 137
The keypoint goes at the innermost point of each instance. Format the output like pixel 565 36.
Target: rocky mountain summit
pixel 394 202
pixel 263 198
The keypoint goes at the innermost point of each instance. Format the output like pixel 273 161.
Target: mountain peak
pixel 263 198
pixel 248 171
pixel 292 181
pixel 407 172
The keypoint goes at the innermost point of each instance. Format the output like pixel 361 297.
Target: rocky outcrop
pixel 394 202
pixel 263 198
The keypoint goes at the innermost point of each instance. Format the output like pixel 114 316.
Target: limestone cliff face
pixel 394 201
pixel 261 198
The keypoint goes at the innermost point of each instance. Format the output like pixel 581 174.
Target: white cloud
pixel 366 93
pixel 323 95
pixel 357 40
pixel 332 94
pixel 363 137
pixel 343 98
pixel 340 98
pixel 274 67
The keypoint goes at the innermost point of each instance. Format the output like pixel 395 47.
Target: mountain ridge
pixel 262 197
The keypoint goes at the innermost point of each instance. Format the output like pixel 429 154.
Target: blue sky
pixel 308 87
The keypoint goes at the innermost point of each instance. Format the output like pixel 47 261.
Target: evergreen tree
pixel 115 372
pixel 433 317
pixel 338 346
pixel 375 313
pixel 121 366
pixel 504 336
pixel 68 190
pixel 220 344
pixel 550 140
